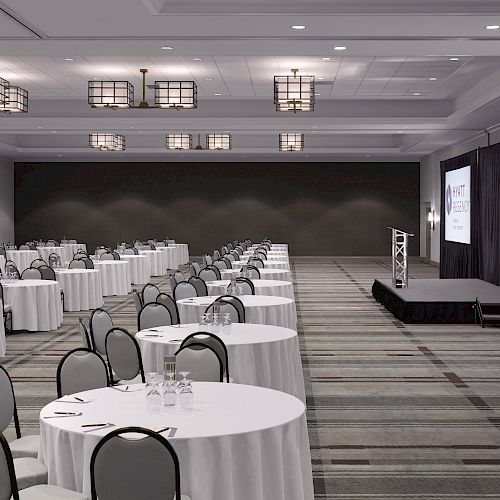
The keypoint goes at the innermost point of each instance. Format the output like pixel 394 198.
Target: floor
pixel 395 411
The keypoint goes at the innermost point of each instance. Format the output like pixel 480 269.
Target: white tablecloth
pixel 270 264
pixel 140 268
pixel 44 253
pixel 3 346
pixel 158 260
pixel 71 248
pixel 2 263
pixel 82 288
pixel 239 442
pixel 172 256
pixel 115 276
pixel 263 355
pixel 268 274
pixel 262 287
pixel 270 253
pixel 22 258
pixel 182 252
pixel 259 309
pixel 270 257
pixel 274 246
pixel 36 304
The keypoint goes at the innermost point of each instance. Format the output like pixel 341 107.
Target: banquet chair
pixel 100 250
pixel 201 361
pixel 37 263
pixel 31 273
pixel 6 311
pixel 224 250
pixel 152 315
pixel 216 255
pixel 184 290
pixel 261 255
pixel 24 247
pixel 124 357
pixel 149 293
pixel 230 257
pixel 107 256
pixel 207 260
pixel 220 264
pixel 246 284
pixel 179 276
pixel 230 246
pixel 208 275
pixel 195 268
pixel 89 264
pixel 171 305
pixel 47 273
pixel 10 267
pixel 100 324
pixel 54 258
pixel 213 341
pixel 77 264
pixel 200 285
pixel 52 243
pixel 31 245
pixel 136 297
pixel 259 263
pixel 115 255
pixel 79 255
pixel 253 272
pixel 26 479
pixel 227 262
pixel 130 251
pixel 21 446
pixel 84 334
pixel 133 469
pixel 235 255
pixel 231 305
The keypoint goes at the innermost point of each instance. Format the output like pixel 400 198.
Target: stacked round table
pixel 140 268
pixel 115 276
pixel 82 288
pixel 22 258
pixel 259 309
pixel 263 355
pixel 234 442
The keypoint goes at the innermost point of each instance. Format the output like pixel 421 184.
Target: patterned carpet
pixel 395 411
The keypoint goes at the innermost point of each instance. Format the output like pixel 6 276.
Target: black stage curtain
pixel 489 214
pixel 459 260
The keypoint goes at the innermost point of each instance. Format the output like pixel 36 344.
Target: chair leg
pixel 7 320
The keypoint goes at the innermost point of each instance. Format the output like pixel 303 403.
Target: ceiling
pixel 416 75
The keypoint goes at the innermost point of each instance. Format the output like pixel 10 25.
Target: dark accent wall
pixel 318 208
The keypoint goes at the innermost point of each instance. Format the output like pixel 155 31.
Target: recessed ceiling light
pixel 320 78
pixel 167 47
pixel 317 94
pixel 53 131
pixel 40 126
pixel 492 27
pixel 298 27
pixel 69 58
pixel 339 47
pixel 416 93
pixel 217 93
pixel 454 59
pixel 197 58
pixel 59 155
pixel 95 78
pixel 208 79
pixel 326 58
pixel 432 78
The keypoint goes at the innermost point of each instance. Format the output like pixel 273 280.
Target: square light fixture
pixel 219 141
pixel 291 142
pixel 4 91
pixel 111 94
pixel 176 94
pixel 294 92
pixel 179 141
pixel 16 100
pixel 107 141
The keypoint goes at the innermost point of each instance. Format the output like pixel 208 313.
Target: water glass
pixel 186 395
pixel 153 392
pixel 226 324
pixel 169 391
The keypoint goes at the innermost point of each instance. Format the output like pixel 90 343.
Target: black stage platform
pixel 435 300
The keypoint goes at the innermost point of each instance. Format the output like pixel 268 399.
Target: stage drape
pixel 489 214
pixel 459 260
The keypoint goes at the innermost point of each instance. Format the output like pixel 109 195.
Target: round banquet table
pixel 22 258
pixel 251 438
pixel 140 268
pixel 263 355
pixel 82 288
pixel 262 287
pixel 182 252
pixel 268 274
pixel 271 264
pixel 2 263
pixel 3 346
pixel 270 253
pixel 172 256
pixel 158 261
pixel 270 257
pixel 71 248
pixel 44 252
pixel 115 276
pixel 274 246
pixel 36 304
pixel 259 309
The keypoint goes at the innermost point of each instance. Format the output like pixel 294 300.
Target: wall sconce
pixel 431 219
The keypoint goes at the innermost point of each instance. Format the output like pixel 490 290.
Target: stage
pixel 435 300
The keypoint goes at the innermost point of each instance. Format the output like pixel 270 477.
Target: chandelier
pixel 106 141
pixel 219 141
pixel 13 99
pixel 291 142
pixel 120 94
pixel 179 141
pixel 294 92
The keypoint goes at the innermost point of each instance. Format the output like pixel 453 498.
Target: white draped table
pixel 140 268
pixel 259 309
pixel 45 252
pixel 270 257
pixel 262 287
pixel 269 274
pixel 270 264
pixel 274 246
pixel 263 355
pixel 270 253
pixel 158 260
pixel 172 256
pixel 236 442
pixel 22 258
pixel 82 288
pixel 3 346
pixel 115 276
pixel 182 252
pixel 71 248
pixel 36 304
pixel 2 263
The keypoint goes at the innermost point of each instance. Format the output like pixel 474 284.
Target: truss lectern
pixel 399 258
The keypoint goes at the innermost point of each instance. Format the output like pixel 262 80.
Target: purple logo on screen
pixel 449 199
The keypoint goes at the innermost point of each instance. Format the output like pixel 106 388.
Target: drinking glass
pixel 186 395
pixel 153 393
pixel 226 324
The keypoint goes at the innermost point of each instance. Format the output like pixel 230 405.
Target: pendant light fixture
pixel 4 88
pixel 294 93
pixel 219 142
pixel 13 99
pixel 179 141
pixel 104 141
pixel 291 142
